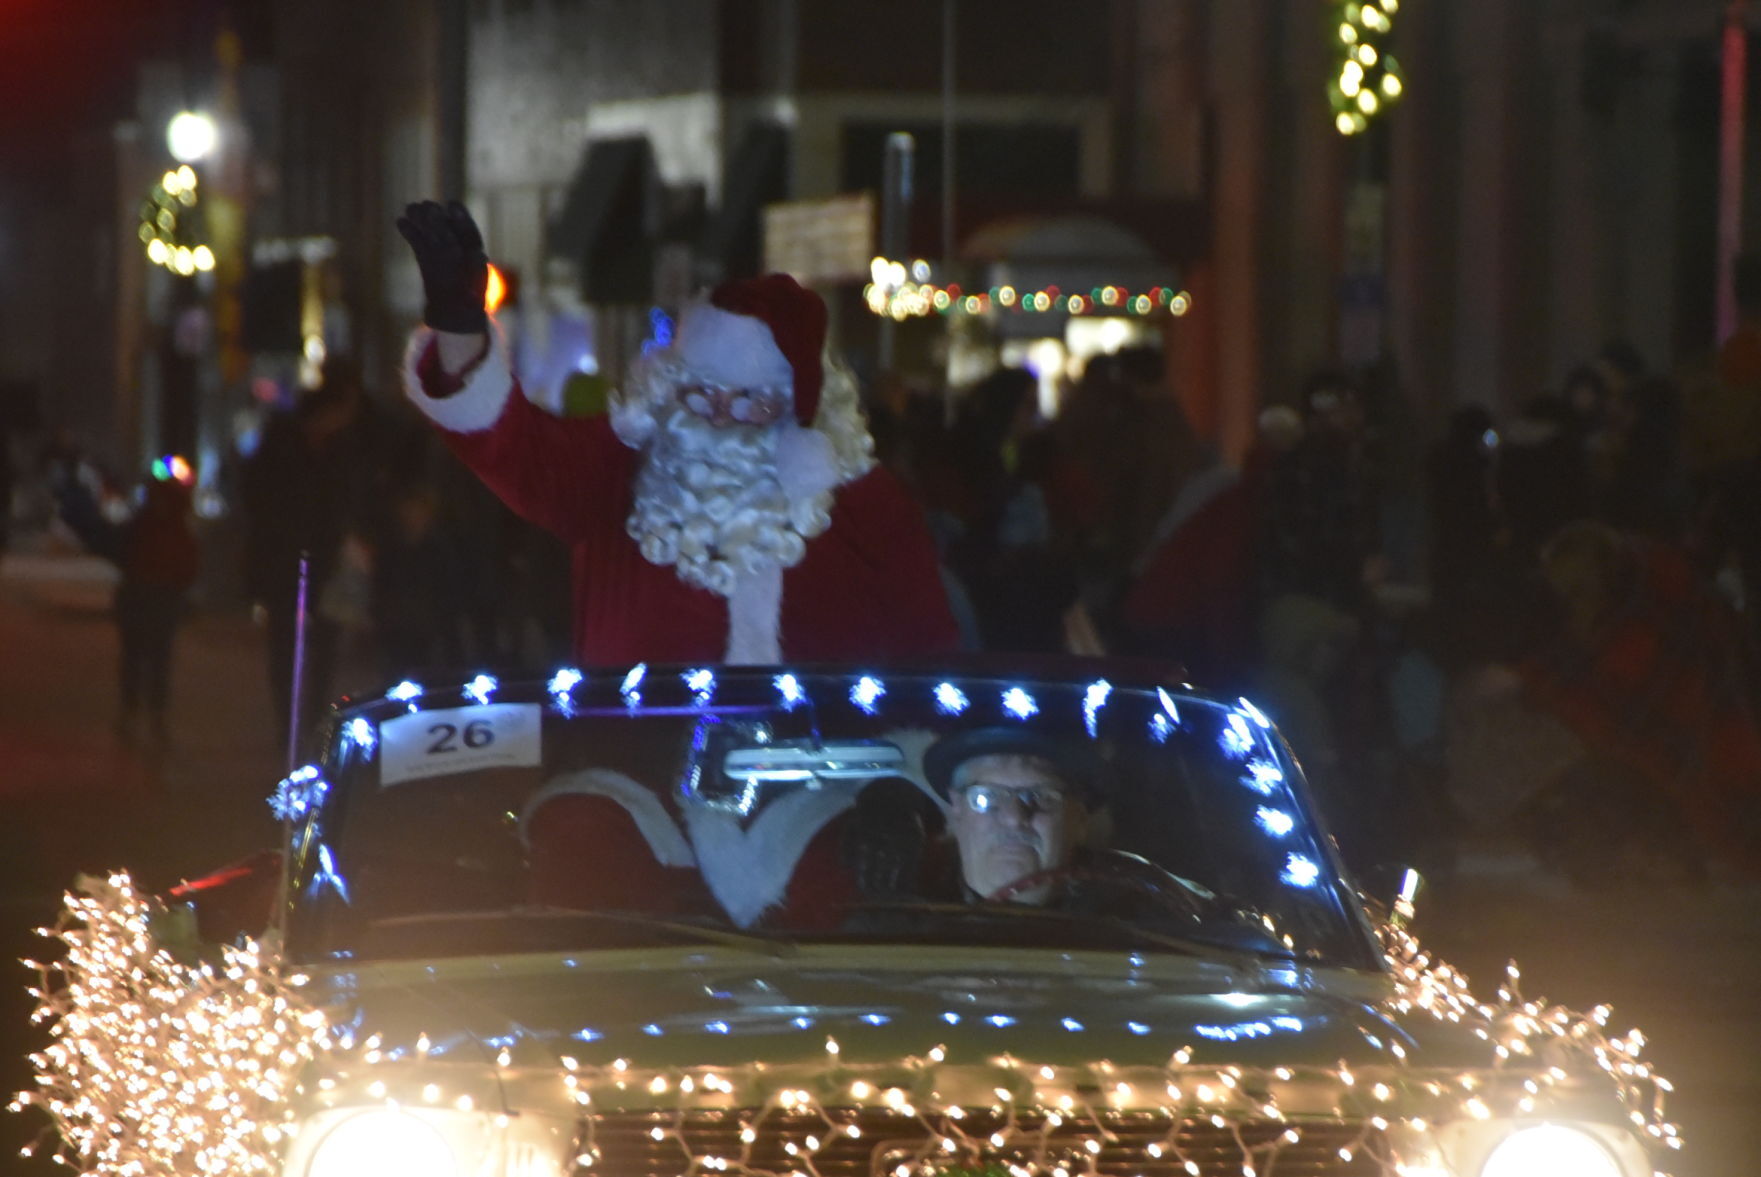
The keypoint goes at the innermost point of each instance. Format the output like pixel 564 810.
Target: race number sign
pixel 459 739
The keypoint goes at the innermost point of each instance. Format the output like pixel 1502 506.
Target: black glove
pixel 884 839
pixel 455 270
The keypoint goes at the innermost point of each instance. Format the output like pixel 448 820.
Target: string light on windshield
pixel 1262 776
pixel 405 692
pixel 867 693
pixel 631 687
pixel 789 689
pixel 358 733
pixel 950 699
pixel 1301 871
pixel 1255 714
pixel 561 687
pixel 1019 703
pixel 1274 821
pixel 298 793
pixel 480 688
pixel 702 684
pixel 1168 706
pixel 1093 700
pixel 1236 739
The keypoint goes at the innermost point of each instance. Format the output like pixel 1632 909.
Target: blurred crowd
pixel 1541 625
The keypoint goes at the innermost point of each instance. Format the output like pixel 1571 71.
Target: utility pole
pixel 897 186
pixel 453 63
pixel 1735 52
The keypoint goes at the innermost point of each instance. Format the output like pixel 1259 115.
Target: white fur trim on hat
pixel 477 405
pixel 734 351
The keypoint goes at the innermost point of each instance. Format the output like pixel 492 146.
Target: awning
pixel 757 175
pixel 1073 253
pixel 608 221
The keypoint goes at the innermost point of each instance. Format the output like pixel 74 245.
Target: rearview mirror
pixel 801 761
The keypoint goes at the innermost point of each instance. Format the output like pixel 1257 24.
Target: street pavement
pixel 1681 964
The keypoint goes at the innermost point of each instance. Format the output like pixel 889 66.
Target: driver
pixel 1019 806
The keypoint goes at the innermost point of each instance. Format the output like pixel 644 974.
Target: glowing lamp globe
pixel 496 292
pixel 191 136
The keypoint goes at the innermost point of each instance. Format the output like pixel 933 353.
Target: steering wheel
pixel 1118 869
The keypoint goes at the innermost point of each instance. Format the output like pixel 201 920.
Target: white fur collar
pixel 644 808
pixel 748 868
pixel 755 610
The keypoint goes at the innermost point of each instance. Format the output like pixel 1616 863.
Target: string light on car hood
pixel 120 1006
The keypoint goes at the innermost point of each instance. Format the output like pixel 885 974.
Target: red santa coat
pixel 868 588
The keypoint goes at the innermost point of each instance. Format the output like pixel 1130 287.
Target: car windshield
pixel 766 810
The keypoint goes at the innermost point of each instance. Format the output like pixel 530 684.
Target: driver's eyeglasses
pixel 1031 801
pixel 749 406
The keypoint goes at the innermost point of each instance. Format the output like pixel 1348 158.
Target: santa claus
pixel 728 507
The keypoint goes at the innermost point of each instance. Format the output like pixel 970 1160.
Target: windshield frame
pixel 317 799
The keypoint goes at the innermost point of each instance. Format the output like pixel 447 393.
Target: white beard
pixel 709 503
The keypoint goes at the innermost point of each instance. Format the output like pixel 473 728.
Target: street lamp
pixel 191 136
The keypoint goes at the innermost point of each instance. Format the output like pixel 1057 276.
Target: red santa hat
pixel 764 332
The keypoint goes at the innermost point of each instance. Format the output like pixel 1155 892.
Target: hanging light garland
pixel 1369 78
pixel 899 292
pixel 166 222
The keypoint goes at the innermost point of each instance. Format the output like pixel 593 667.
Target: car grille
pixel 625 1145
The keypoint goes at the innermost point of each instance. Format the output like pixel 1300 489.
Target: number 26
pixel 476 734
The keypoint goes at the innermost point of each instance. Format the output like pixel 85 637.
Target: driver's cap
pixel 1076 762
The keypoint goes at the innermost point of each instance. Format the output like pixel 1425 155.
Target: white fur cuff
pixel 476 406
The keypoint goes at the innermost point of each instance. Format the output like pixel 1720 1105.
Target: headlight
pixel 1549 1150
pixel 384 1142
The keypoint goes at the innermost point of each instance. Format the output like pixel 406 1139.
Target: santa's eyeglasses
pixel 1030 801
pixel 725 406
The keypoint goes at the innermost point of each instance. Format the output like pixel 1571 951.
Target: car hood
pixel 875 1005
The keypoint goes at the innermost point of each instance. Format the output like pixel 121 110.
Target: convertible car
pixel 661 921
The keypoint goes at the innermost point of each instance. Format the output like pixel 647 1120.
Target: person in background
pixel 7 476
pixel 302 493
pixel 1018 581
pixel 1648 490
pixel 1647 670
pixel 1467 533
pixel 418 596
pixel 159 558
pixel 1722 405
pixel 1320 535
pixel 1543 479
